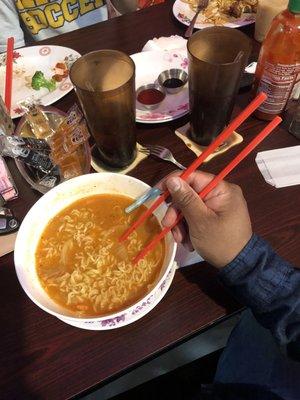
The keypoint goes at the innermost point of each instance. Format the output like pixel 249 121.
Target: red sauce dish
pixel 150 96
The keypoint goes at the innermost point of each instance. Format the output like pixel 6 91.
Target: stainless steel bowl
pixel 169 74
pixel 145 87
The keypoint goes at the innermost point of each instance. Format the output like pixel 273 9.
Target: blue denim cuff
pixel 243 262
pixel 260 268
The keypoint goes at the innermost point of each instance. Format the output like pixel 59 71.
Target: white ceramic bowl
pixel 52 203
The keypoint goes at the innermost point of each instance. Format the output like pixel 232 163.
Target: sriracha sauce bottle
pixel 278 67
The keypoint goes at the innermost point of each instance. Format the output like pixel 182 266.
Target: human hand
pixel 219 227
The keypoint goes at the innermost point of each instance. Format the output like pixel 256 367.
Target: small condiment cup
pixel 173 73
pixel 150 86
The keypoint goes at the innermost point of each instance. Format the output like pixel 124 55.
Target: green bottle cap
pixel 294 6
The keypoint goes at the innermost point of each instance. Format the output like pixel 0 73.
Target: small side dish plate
pixel 149 64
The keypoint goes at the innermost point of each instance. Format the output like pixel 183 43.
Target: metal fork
pixel 200 7
pixel 162 153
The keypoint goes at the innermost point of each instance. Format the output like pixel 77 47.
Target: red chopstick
pixel 234 124
pixel 9 73
pixel 213 183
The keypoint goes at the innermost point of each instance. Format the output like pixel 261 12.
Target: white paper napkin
pixel 280 167
pixel 185 257
pixel 165 43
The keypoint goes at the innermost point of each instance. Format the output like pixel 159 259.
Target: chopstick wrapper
pixel 280 167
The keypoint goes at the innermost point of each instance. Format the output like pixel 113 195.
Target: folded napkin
pixel 165 43
pixel 280 167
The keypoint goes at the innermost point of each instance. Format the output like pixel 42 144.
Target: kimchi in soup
pixel 83 267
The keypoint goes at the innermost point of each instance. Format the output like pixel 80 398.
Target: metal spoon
pixel 150 194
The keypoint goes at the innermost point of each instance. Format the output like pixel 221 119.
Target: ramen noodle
pixel 83 267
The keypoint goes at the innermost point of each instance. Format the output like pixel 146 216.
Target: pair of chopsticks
pixel 9 73
pixel 261 97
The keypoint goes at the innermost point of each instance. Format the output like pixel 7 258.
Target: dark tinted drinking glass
pixel 217 58
pixel 104 82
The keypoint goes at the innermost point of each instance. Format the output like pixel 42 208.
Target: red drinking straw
pixel 234 124
pixel 9 73
pixel 213 183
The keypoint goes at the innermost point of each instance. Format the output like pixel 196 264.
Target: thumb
pixel 185 199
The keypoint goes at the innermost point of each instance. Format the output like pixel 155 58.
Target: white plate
pixel 184 14
pixel 26 62
pixel 149 64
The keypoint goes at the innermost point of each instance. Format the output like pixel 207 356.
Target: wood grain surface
pixel 43 358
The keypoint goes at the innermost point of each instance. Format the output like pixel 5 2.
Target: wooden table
pixel 43 358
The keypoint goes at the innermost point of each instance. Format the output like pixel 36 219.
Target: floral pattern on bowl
pixel 135 313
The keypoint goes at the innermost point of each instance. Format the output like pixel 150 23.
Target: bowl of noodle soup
pixel 69 262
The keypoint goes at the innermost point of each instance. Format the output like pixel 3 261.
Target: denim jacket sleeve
pixel 269 285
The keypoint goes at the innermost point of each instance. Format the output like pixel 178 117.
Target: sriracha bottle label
pixel 277 82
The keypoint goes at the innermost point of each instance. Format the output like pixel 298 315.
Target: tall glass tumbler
pixel 104 82
pixel 217 59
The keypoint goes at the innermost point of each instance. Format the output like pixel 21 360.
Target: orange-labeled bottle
pixel 279 61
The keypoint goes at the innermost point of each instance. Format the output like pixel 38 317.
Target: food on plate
pixel 245 6
pixel 82 266
pixel 219 12
pixel 39 81
pixel 61 71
